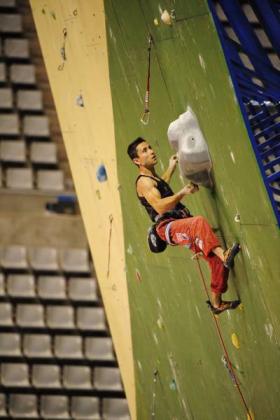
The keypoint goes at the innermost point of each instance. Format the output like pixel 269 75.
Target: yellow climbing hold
pixel 235 341
pixel 241 307
pixel 250 415
pixel 156 23
pixel 160 323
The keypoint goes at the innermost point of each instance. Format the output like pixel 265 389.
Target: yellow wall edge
pixel 88 134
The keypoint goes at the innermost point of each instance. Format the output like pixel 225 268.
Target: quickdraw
pixel 146 115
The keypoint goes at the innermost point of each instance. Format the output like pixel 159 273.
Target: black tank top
pixel 165 191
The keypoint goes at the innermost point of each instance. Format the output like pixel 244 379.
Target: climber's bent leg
pixel 219 279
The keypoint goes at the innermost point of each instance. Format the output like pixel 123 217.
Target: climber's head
pixel 141 153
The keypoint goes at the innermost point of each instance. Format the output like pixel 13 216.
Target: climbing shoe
pixel 230 255
pixel 224 306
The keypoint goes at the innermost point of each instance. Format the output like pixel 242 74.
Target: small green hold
pixel 43 11
pixel 53 15
pixel 173 385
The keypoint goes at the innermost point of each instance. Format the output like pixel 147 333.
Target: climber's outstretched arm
pixel 147 188
pixel 166 176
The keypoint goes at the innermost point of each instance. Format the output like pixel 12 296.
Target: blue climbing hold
pixel 101 173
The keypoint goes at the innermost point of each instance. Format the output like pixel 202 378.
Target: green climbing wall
pixel 173 331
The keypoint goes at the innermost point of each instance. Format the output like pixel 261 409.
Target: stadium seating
pixel 22 74
pixel 24 126
pixel 22 405
pixel 37 346
pixel 50 180
pixel 10 344
pixel 19 178
pixel 113 408
pixel 57 358
pixel 16 48
pixel 50 328
pixel 10 23
pixel 9 124
pixel 6 98
pixel 3 73
pixel 42 153
pixel 13 151
pixel 29 100
pixel 85 408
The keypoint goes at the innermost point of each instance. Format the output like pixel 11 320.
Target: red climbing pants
pixel 196 234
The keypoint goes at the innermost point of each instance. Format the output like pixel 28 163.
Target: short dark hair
pixel 131 150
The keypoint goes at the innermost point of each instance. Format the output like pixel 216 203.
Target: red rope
pixel 223 345
pixel 147 94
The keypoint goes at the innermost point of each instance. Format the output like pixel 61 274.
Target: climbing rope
pixel 146 115
pixel 226 355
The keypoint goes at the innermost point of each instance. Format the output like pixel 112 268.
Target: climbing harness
pixel 146 115
pixel 226 358
pixel 156 244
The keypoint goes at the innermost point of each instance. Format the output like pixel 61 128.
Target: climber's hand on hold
pixel 195 187
pixel 190 188
pixel 173 162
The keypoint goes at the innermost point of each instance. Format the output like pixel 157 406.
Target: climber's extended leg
pixel 196 234
pixel 219 279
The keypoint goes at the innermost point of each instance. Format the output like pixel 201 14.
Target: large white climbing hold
pixel 186 137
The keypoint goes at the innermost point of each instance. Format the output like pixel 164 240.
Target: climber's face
pixel 146 156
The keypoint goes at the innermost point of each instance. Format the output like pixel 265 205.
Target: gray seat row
pixel 8 4
pixel 23 99
pixel 18 74
pixel 48 287
pixel 69 260
pixel 51 180
pixel 55 376
pixel 32 125
pixel 52 316
pixel 45 346
pixel 14 48
pixel 16 151
pixel 57 407
pixel 10 22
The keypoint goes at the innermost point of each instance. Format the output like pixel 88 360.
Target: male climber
pixel 175 225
